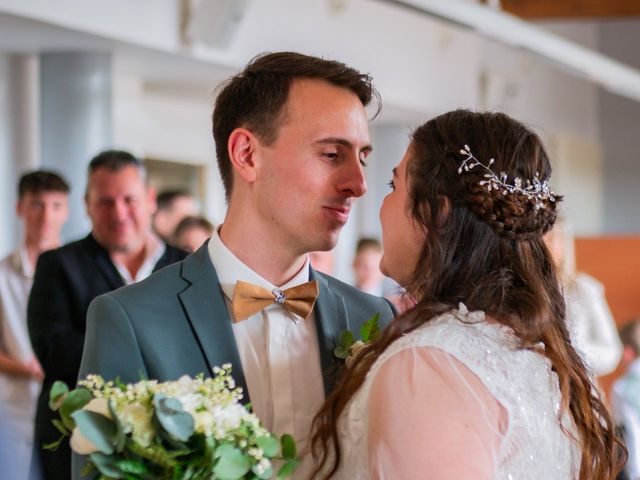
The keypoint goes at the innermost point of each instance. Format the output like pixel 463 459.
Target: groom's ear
pixel 241 148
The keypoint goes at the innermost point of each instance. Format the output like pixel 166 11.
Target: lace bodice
pixel 532 445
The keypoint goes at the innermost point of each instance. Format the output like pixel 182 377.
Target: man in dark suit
pixel 120 249
pixel 291 137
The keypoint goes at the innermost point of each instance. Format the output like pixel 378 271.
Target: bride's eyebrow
pixel 395 172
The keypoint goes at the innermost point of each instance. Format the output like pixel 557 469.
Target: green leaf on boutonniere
pixel 346 340
pixel 370 331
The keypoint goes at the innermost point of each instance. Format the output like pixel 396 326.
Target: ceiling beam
pixel 571 8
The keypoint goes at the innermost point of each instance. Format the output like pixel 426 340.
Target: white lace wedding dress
pixel 456 398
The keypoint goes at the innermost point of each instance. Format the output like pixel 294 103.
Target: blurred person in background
pixel 172 207
pixel 369 278
pixel 366 266
pixel 322 261
pixel 120 249
pixel 192 232
pixel 626 395
pixel 593 330
pixel 43 209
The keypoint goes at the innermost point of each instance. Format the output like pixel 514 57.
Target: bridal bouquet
pixel 188 429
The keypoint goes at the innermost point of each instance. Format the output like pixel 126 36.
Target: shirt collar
pixel 230 269
pixel 153 251
pixel 21 263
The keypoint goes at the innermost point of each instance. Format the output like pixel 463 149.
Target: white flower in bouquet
pixel 189 429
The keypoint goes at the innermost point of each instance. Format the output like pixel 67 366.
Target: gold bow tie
pixel 249 299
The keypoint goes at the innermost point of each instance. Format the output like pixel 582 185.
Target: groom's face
pixel 311 174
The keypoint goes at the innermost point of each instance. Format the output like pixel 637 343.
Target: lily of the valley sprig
pixel 349 346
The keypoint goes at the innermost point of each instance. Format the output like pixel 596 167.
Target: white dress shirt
pixel 279 353
pixel 18 395
pixel 154 249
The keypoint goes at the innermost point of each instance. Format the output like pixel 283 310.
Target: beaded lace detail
pixel 533 446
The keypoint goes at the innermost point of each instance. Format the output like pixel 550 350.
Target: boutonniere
pixel 349 346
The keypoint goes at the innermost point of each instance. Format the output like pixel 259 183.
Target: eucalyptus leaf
pixel 56 394
pixel 97 428
pixel 269 445
pixel 288 468
pixel 232 464
pixel 288 447
pixel 175 421
pixel 106 465
pixel 75 400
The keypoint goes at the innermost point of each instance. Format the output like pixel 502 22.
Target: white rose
pixel 204 422
pixel 136 418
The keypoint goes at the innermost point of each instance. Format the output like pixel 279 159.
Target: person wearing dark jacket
pixel 121 249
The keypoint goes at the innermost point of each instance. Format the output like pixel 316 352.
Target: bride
pixel 479 380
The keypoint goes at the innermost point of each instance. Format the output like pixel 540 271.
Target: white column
pixel 75 122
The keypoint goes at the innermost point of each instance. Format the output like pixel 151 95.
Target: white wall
pixel 8 227
pixel 620 131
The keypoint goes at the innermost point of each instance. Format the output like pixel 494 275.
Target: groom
pixel 291 139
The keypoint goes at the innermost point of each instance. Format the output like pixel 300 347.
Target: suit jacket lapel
pixel 331 319
pixel 206 311
pixel 104 263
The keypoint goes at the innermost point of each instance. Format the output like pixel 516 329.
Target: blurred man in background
pixel 43 209
pixel 173 207
pixel 192 232
pixel 121 249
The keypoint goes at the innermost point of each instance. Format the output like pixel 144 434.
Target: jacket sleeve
pixel 111 348
pixel 56 336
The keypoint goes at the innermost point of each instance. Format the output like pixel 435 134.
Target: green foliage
pixel 345 341
pixel 370 331
pixel 232 463
pixel 98 429
pixel 288 468
pixel 74 400
pixel 176 422
pixel 269 446
pixel 288 445
pixel 169 448
pixel 107 465
pixel 57 394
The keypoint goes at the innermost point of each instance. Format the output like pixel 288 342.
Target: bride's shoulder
pixel 455 327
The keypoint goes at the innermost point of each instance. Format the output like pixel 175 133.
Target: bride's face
pixel 402 238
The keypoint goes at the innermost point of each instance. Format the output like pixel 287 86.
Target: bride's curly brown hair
pixel 484 248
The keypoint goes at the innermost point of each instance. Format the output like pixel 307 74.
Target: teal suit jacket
pixel 176 322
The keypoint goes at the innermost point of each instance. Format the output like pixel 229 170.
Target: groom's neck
pixel 261 250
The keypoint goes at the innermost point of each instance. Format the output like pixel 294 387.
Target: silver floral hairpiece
pixel 536 189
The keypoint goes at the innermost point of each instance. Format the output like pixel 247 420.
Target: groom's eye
pixel 330 155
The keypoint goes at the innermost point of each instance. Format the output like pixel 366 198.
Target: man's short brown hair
pixel 255 97
pixel 39 181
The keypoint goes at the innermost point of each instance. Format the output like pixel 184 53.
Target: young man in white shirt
pixel 43 209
